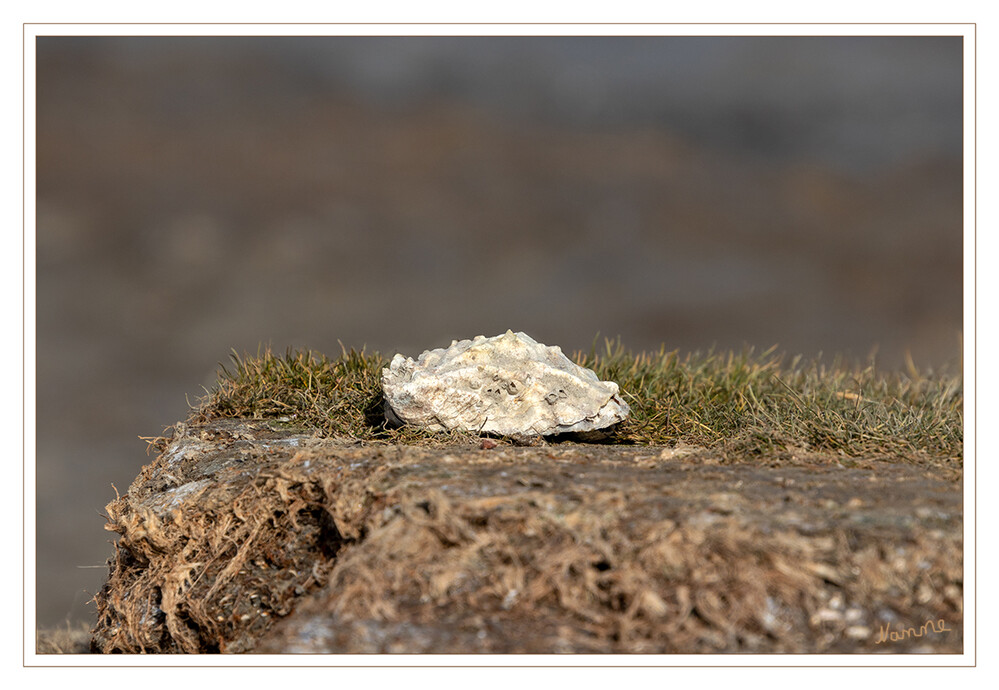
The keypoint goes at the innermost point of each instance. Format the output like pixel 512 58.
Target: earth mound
pixel 243 536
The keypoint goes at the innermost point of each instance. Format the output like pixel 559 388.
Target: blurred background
pixel 201 194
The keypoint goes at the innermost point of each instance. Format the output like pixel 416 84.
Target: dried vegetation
pixel 243 538
pixel 746 506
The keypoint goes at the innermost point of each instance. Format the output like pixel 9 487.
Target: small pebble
pixel 858 632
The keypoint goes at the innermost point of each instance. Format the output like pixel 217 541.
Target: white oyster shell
pixel 509 385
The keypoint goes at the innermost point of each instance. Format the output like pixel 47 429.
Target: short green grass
pixel 744 404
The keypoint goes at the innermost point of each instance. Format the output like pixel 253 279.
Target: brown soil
pixel 243 537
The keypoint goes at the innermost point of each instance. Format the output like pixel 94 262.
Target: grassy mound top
pixel 739 404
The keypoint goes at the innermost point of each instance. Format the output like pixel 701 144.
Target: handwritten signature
pixel 886 634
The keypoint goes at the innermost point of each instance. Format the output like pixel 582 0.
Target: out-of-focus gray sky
pixel 198 195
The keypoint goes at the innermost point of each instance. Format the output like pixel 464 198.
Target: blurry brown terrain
pixel 206 200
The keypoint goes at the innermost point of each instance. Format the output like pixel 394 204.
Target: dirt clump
pixel 244 537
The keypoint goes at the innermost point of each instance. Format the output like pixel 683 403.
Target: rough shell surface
pixel 509 385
